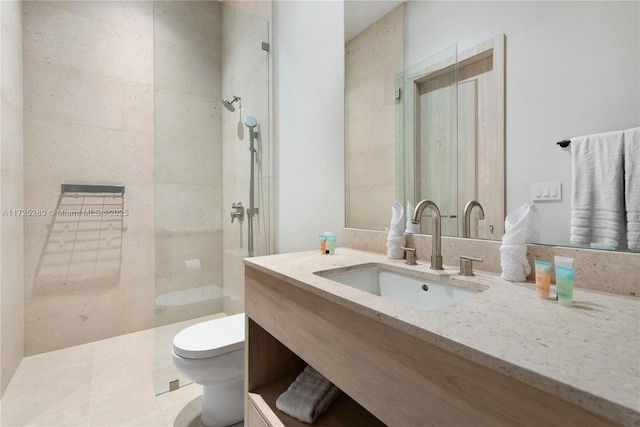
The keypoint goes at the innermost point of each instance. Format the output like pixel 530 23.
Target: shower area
pixel 170 100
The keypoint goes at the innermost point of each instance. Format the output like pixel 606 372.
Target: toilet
pixel 211 353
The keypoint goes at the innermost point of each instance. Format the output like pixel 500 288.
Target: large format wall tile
pixel 72 153
pixel 65 319
pixel 89 119
pixel 174 249
pixel 184 69
pixel 67 95
pixel 12 331
pixel 55 36
pixel 182 115
pixel 134 15
pixel 201 156
pixel 11 64
pixel 12 202
pixel 11 131
pixel 195 25
pixel 187 207
pixel 11 185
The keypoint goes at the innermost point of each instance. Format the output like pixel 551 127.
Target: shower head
pixel 251 122
pixel 229 104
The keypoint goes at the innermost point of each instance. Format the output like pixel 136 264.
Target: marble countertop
pixel 587 354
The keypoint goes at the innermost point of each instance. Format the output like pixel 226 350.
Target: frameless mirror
pixel 571 69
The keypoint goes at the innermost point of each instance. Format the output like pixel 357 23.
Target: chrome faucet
pixel 436 252
pixel 466 226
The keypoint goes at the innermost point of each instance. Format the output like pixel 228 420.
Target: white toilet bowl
pixel 211 353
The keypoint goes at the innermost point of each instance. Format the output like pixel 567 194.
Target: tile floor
pixel 109 383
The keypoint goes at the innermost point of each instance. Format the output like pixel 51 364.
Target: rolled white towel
pixel 522 225
pixel 514 263
pixel 395 238
pixel 308 396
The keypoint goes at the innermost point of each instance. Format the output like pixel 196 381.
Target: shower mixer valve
pixel 237 211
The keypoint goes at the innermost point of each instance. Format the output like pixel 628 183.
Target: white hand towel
pixel 632 186
pixel 395 238
pixel 521 226
pixel 514 263
pixel 411 228
pixel 308 396
pixel 597 214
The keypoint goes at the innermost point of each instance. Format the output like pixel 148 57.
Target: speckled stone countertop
pixel 587 354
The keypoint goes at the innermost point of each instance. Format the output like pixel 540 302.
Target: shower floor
pixel 103 383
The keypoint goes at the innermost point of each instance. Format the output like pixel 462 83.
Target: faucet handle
pixel 410 255
pixel 466 265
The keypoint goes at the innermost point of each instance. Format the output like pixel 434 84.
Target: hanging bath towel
pixel 632 186
pixel 597 211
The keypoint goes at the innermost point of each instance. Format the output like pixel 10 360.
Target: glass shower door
pixel 205 52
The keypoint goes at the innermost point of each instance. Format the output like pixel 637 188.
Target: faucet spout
pixel 466 226
pixel 436 239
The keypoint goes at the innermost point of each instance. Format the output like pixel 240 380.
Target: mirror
pixel 571 69
pixel 453 134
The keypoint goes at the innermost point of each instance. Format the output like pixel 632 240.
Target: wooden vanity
pixel 390 371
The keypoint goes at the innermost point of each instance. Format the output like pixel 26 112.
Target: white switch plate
pixel 544 191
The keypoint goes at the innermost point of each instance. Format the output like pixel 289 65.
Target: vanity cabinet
pixel 254 416
pixel 272 367
pixel 388 376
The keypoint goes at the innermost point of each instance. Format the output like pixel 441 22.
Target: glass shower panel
pixel 205 52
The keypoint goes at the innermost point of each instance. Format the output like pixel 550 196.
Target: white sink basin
pixel 420 293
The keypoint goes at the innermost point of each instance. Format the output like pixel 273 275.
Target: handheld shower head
pixel 229 104
pixel 250 122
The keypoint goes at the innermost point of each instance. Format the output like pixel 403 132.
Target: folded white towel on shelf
pixel 308 396
pixel 632 186
pixel 395 238
pixel 597 214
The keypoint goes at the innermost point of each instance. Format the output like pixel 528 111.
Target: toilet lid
pixel 210 338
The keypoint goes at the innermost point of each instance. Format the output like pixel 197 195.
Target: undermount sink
pixel 424 294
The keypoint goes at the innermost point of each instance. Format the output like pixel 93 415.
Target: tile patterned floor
pixel 108 383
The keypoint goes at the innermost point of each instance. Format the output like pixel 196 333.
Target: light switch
pixel 546 191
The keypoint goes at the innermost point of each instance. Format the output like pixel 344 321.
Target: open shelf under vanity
pixel 273 367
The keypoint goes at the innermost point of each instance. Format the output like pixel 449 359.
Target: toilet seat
pixel 211 338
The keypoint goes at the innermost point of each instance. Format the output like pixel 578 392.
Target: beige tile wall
pixel 11 192
pixel 373 58
pixel 89 118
